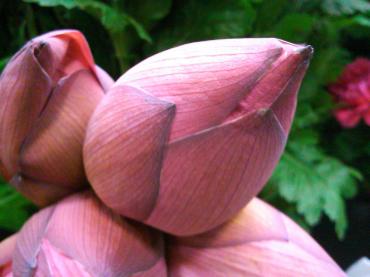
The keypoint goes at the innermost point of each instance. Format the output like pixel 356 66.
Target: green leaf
pixel 345 7
pixel 295 27
pixel 14 208
pixel 199 20
pixel 3 62
pixel 315 182
pixel 112 19
pixel 362 20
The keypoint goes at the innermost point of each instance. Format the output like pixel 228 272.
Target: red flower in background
pixel 352 92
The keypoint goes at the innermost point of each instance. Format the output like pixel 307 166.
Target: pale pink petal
pixel 81 233
pixel 28 242
pixel 124 148
pixel 52 262
pixel 206 80
pixel 287 251
pixel 52 151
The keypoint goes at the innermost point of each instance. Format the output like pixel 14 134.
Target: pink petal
pixel 52 262
pixel 208 177
pixel 157 270
pixel 105 80
pixel 367 117
pixel 6 251
pixel 80 233
pixel 206 80
pixel 24 89
pixel 123 149
pixel 211 175
pixel 26 85
pixel 284 253
pixel 347 117
pixel 70 53
pixel 42 194
pixel 52 151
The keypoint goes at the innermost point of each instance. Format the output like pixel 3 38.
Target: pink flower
pixel 352 92
pixel 48 91
pixel 186 138
pixel 181 142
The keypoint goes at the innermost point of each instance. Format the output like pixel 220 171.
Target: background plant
pixel 323 164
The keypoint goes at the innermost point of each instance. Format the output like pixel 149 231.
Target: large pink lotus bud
pixel 186 138
pixel 259 241
pixel 79 236
pixel 48 91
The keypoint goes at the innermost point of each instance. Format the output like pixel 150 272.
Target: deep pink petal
pixel 367 117
pixel 348 118
pixel 52 151
pixel 124 148
pixel 287 251
pixel 80 232
pixel 206 80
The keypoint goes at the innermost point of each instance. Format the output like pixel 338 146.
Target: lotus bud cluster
pixel 169 157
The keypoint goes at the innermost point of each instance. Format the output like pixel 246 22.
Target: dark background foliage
pixel 323 164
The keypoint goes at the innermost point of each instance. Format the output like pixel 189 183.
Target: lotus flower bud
pixel 186 138
pixel 259 241
pixel 6 251
pixel 79 236
pixel 48 91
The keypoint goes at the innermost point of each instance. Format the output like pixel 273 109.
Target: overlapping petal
pixel 48 91
pixel 206 80
pixel 235 100
pixel 79 236
pixel 259 241
pixel 124 148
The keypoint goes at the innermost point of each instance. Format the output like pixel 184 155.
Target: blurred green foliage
pixel 319 169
